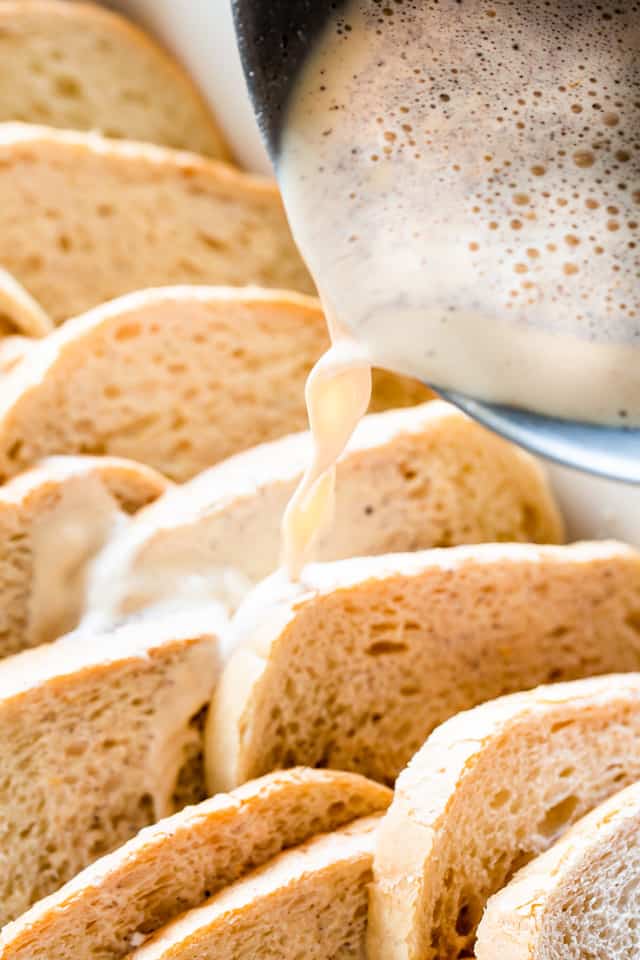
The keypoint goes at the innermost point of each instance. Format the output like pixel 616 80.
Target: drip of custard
pixel 463 180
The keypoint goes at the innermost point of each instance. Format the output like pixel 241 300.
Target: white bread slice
pixel 76 65
pixel 176 377
pixel 490 789
pixel 355 666
pixel 179 862
pixel 580 899
pixel 19 312
pixel 101 737
pixel 13 350
pixel 53 521
pixel 115 216
pixel 310 902
pixel 409 479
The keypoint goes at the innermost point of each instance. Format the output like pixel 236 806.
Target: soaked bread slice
pixel 355 666
pixel 19 312
pixel 86 219
pixel 78 66
pixel 53 521
pixel 579 899
pixel 308 902
pixel 176 377
pixel 179 862
pixel 102 737
pixel 490 789
pixel 410 479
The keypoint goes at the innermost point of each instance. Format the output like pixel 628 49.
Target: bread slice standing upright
pixel 490 789
pixel 409 479
pixel 53 520
pixel 100 737
pixel 76 65
pixel 579 899
pixel 355 666
pixel 86 219
pixel 309 902
pixel 179 862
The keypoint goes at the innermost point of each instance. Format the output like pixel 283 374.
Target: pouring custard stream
pixel 463 180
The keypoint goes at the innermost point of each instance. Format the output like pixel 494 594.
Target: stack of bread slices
pixel 426 749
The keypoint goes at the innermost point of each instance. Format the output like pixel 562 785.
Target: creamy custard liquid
pixel 463 179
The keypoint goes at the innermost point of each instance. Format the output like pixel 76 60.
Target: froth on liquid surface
pixel 463 179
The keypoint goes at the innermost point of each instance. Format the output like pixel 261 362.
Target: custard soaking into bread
pixel 356 665
pixel 579 899
pixel 465 198
pixel 179 862
pixel 102 737
pixel 308 902
pixel 76 65
pixel 490 789
pixel 408 480
pixel 86 219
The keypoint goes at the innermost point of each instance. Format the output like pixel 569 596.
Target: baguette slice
pixel 76 65
pixel 410 479
pixel 490 789
pixel 86 219
pixel 355 666
pixel 176 864
pixel 579 899
pixel 176 377
pixel 19 312
pixel 53 520
pixel 310 902
pixel 100 738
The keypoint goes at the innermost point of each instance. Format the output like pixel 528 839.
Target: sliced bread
pixel 19 312
pixel 580 899
pixel 76 65
pixel 13 350
pixel 179 862
pixel 310 902
pixel 410 479
pixel 177 377
pixel 490 789
pixel 86 219
pixel 53 520
pixel 355 666
pixel 100 738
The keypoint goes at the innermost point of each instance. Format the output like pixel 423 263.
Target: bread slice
pixel 101 737
pixel 76 65
pixel 579 899
pixel 19 312
pixel 357 664
pixel 176 864
pixel 176 377
pixel 53 520
pixel 13 350
pixel 410 479
pixel 86 219
pixel 308 903
pixel 490 789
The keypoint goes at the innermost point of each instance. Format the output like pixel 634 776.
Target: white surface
pixel 200 33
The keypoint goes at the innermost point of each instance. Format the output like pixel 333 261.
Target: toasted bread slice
pixel 76 65
pixel 86 219
pixel 19 312
pixel 579 899
pixel 179 862
pixel 410 479
pixel 490 789
pixel 308 902
pixel 101 737
pixel 355 666
pixel 176 377
pixel 53 520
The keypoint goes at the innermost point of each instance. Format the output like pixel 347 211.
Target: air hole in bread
pixel 469 914
pixel 383 647
pixel 67 86
pixel 633 620
pixel 64 243
pixel 500 799
pixel 557 817
pixel 128 331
